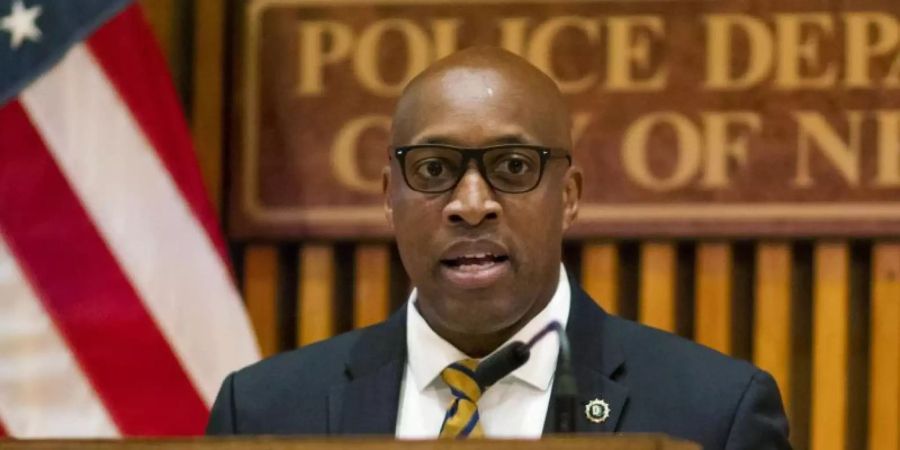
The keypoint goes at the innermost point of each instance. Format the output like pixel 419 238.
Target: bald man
pixel 479 190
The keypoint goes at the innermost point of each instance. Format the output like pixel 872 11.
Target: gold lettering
pixel 367 55
pixel 843 155
pixel 446 36
pixel 630 42
pixel 860 49
pixel 688 148
pixel 893 78
pixel 793 51
pixel 512 34
pixel 344 159
pixel 720 29
pixel 888 149
pixel 541 49
pixel 314 56
pixel 721 148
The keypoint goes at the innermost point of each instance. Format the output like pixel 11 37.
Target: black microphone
pixel 566 395
pixel 501 364
pixel 516 353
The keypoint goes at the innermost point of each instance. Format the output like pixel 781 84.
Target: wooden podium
pixel 605 442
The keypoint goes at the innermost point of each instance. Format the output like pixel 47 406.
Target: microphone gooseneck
pixel 501 364
pixel 566 394
pixel 516 354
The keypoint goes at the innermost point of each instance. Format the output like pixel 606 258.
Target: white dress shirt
pixel 515 407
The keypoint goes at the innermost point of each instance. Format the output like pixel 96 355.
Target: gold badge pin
pixel 596 410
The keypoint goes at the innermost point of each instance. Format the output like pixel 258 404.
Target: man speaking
pixel 479 190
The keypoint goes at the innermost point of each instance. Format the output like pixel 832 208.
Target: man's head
pixel 484 253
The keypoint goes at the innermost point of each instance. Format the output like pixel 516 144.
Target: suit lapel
pixel 368 403
pixel 597 360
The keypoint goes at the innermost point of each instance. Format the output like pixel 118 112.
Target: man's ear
pixel 571 195
pixel 388 200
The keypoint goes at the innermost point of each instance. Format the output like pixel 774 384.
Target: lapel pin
pixel 596 410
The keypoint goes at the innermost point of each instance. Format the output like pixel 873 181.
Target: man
pixel 479 191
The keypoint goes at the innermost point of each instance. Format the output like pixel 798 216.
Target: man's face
pixel 483 261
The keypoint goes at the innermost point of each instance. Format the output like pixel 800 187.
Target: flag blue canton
pixel 63 23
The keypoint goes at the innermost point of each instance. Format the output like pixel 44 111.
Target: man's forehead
pixel 481 88
pixel 481 82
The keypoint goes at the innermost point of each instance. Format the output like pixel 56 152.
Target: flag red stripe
pixel 79 282
pixel 126 50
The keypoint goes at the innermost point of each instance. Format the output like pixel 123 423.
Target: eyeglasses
pixel 510 168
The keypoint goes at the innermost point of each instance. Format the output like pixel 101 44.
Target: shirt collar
pixel 429 353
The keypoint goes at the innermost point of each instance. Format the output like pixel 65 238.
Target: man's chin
pixel 478 315
pixel 479 328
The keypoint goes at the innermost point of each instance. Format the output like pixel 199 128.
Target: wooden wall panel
pixel 207 94
pixel 261 294
pixel 315 302
pixel 772 342
pixel 831 334
pixel 371 296
pixel 599 274
pixel 884 352
pixel 712 309
pixel 657 302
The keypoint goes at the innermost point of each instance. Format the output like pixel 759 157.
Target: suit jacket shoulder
pixel 684 389
pixel 284 394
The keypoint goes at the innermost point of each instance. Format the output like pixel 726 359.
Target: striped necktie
pixel 461 420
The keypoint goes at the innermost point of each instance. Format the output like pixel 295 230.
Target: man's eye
pixel 432 169
pixel 513 166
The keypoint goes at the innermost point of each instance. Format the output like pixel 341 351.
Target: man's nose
pixel 473 201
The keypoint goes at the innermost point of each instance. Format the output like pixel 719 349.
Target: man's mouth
pixel 474 262
pixel 475 270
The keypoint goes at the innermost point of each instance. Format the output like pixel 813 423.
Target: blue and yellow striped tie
pixel 461 420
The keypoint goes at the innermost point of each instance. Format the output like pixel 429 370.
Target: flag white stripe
pixel 43 392
pixel 140 213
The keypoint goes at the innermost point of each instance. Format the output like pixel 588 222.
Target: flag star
pixel 20 23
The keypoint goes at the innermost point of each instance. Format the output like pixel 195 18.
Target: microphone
pixel 501 364
pixel 516 354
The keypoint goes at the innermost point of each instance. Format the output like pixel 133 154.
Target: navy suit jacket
pixel 653 381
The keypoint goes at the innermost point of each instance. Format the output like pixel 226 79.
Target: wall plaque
pixel 693 118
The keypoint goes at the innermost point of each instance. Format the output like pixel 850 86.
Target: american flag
pixel 118 314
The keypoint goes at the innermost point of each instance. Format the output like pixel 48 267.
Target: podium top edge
pixel 560 442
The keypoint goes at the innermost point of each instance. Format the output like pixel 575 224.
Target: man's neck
pixel 481 345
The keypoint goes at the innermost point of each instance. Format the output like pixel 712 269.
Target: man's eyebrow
pixel 438 139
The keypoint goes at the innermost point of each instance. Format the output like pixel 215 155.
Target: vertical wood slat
pixel 261 295
pixel 207 95
pixel 773 315
pixel 371 297
pixel 831 303
pixel 884 352
pixel 599 274
pixel 713 311
pixel 656 306
pixel 315 308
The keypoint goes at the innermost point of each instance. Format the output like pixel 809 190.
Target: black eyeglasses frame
pixel 477 154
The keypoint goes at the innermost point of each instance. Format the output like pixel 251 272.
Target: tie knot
pixel 460 376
